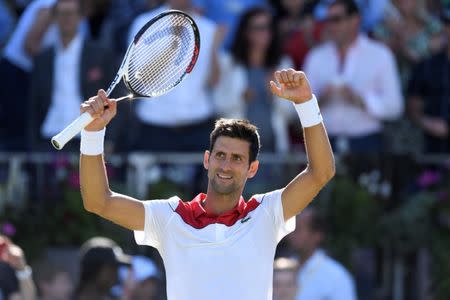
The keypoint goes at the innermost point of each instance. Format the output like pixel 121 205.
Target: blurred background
pixel 381 72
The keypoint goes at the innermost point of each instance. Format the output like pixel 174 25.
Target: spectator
pixel 356 81
pixel 226 14
pixel 411 32
pixel 142 280
pixel 99 264
pixel 428 96
pixel 242 91
pixel 28 38
pixel 64 76
pixel 15 275
pixel 284 279
pixel 53 281
pixel 181 119
pixel 319 276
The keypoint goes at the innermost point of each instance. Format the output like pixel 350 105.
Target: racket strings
pixel 161 56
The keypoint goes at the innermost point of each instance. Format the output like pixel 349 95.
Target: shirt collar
pixel 75 43
pixel 315 259
pixel 199 210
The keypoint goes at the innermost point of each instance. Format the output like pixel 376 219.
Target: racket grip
pixel 59 140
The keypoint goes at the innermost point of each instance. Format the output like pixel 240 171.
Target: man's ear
pixel 253 168
pixel 206 160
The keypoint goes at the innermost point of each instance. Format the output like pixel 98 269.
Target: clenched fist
pixel 293 86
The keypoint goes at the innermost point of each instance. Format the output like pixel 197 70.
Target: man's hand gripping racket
pixel 163 51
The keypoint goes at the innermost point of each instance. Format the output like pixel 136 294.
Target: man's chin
pixel 224 190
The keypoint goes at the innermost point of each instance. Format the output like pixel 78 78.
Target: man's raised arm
pixel 294 86
pixel 97 196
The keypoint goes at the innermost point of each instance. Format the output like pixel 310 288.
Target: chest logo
pixel 245 219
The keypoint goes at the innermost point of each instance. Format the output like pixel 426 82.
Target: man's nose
pixel 225 164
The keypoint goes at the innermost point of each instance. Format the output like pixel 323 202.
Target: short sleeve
pixel 272 204
pixel 157 215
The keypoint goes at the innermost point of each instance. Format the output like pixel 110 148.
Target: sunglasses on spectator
pixel 336 18
pixel 259 27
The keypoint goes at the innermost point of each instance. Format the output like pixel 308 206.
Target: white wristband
pixel 92 142
pixel 309 112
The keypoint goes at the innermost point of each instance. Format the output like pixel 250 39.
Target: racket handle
pixel 59 140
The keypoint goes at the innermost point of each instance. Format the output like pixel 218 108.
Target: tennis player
pixel 216 246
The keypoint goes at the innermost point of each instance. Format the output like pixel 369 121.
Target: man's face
pixel 59 288
pixel 340 25
pixel 228 165
pixel 108 276
pixel 304 239
pixel 67 14
pixel 284 285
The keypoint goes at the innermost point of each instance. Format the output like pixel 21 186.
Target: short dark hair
pixel 351 8
pixel 318 222
pixel 237 128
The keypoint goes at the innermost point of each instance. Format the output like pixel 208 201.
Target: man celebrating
pixel 216 246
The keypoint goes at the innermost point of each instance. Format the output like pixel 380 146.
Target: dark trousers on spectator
pixel 14 95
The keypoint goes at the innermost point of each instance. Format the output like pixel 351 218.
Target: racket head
pixel 162 53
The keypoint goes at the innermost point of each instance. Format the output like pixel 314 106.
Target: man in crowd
pixel 320 276
pixel 356 81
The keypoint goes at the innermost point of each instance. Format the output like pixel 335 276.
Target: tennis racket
pixel 161 54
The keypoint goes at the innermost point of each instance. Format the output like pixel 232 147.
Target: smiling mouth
pixel 224 176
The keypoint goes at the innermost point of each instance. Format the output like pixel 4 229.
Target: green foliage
pixel 407 228
pixel 351 212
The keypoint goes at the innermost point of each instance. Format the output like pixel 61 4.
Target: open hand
pixel 95 106
pixel 294 86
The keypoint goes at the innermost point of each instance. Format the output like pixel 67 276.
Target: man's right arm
pixel 97 196
pixel 99 199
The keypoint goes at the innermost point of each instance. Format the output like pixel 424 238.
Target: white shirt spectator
pixel 66 94
pixel 370 70
pixel 14 50
pixel 207 258
pixel 322 278
pixel 187 103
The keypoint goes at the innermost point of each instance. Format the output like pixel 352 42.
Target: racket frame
pixel 59 140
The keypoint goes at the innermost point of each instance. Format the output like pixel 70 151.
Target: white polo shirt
pixel 323 278
pixel 208 257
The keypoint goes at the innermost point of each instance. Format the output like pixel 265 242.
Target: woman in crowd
pixel 242 91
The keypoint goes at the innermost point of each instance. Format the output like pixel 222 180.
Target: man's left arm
pixel 294 86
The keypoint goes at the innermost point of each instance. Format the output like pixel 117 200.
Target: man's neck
pixel 343 48
pixel 256 57
pixel 305 255
pixel 66 40
pixel 218 204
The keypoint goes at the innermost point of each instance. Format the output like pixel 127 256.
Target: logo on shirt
pixel 245 219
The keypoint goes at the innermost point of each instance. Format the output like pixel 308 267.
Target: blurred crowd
pixel 379 68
